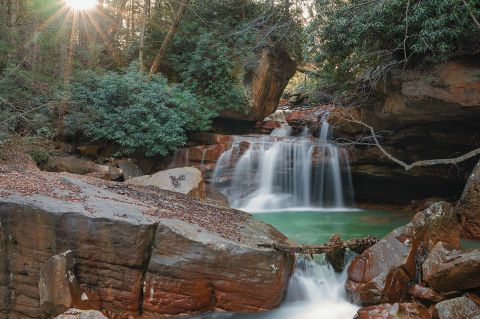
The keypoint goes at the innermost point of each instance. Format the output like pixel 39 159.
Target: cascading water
pixel 284 172
pixel 315 291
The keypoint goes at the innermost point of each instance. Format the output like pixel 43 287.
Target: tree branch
pixel 407 167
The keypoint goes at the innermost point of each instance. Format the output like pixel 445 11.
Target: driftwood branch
pixel 358 245
pixel 334 250
pixel 407 167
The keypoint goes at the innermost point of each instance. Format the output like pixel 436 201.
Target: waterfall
pixel 315 291
pixel 281 171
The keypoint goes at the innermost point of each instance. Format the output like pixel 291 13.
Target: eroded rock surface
pixel 469 205
pixel 438 223
pixel 382 273
pixel 394 311
pixel 458 308
pixel 447 269
pixel 135 248
pixel 265 85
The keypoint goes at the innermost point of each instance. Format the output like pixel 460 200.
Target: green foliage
pixel 139 115
pixel 355 38
pixel 39 155
pixel 207 67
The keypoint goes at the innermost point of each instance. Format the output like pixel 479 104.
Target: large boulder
pixel 137 249
pixel 382 273
pixel 438 223
pixel 184 180
pixel 458 308
pixel 425 294
pixel 468 207
pixel 447 269
pixel 394 311
pixel 129 169
pixel 265 85
pixel 74 165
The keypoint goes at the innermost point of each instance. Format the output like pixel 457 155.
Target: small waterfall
pixel 315 291
pixel 283 172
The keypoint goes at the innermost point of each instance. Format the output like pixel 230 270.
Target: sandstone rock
pixel 129 169
pixel 469 205
pixel 266 85
pixel 114 173
pixel 213 194
pixel 425 294
pixel 137 249
pixel 394 311
pixel 421 115
pixel 448 270
pixel 382 273
pixel 437 223
pixel 186 180
pixel 90 151
pixel 81 314
pixel 57 280
pixel 458 308
pixel 74 165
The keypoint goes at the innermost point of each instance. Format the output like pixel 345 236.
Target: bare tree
pixel 141 51
pixel 168 38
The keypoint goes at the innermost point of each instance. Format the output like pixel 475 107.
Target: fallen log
pixel 334 250
pixel 358 245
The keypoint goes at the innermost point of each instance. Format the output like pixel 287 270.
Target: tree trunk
pixel 141 50
pixel 168 38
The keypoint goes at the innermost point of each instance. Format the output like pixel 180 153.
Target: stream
pixel 315 291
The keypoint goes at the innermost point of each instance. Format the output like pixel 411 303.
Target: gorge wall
pixel 418 115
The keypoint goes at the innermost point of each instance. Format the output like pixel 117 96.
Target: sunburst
pixel 81 5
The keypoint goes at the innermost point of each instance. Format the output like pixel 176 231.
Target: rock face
pixel 74 165
pixel 421 115
pixel 56 281
pixel 437 223
pixel 185 180
pixel 266 85
pixel 447 269
pixel 382 273
pixel 136 249
pixel 468 207
pixel 458 308
pixel 394 311
pixel 425 294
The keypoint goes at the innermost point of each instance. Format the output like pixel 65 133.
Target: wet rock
pixel 425 294
pixel 336 256
pixel 185 180
pixel 438 223
pixel 382 272
pixel 447 269
pixel 74 165
pixel 469 206
pixel 394 311
pixel 81 314
pixel 56 283
pixel 458 308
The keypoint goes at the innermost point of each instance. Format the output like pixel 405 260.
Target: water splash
pixel 315 291
pixel 280 171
